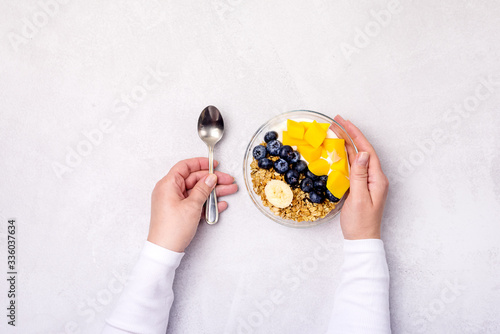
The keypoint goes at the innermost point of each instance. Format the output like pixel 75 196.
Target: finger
pixel 222 178
pixel 359 176
pixel 201 190
pixel 356 135
pixel 188 166
pixel 339 119
pixel 378 185
pixel 364 145
pixel 360 141
pixel 223 190
pixel 377 181
pixel 221 206
pixel 342 134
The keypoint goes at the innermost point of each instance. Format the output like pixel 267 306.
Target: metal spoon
pixel 210 130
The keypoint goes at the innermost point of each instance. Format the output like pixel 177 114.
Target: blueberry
pixel 320 185
pixel 293 157
pixel 273 147
pixel 265 163
pixel 300 166
pixel 330 197
pixel 285 150
pixel 324 178
pixel 259 152
pixel 307 185
pixel 311 175
pixel 271 135
pixel 292 177
pixel 316 197
pixel 281 166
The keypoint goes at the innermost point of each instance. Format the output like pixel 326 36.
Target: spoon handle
pixel 211 210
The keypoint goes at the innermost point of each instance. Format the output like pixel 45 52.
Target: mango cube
pixel 325 126
pixel 295 129
pixel 309 153
pixel 331 144
pixel 324 153
pixel 341 166
pixel 319 167
pixel 337 183
pixel 315 135
pixel 288 140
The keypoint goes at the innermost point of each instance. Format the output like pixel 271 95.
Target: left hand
pixel 177 202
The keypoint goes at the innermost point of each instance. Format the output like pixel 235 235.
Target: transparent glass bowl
pixel 258 137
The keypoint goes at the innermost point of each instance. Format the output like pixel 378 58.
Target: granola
pixel 301 209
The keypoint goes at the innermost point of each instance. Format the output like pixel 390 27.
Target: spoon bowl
pixel 210 125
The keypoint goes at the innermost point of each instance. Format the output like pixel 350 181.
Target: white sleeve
pixel 145 303
pixel 361 302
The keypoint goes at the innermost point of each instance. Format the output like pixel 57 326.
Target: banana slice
pixel 278 193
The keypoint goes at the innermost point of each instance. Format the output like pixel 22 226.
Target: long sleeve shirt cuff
pixel 145 303
pixel 361 302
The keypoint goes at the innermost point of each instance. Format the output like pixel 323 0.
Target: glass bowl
pixel 277 123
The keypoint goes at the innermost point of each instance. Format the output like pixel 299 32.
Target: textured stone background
pixel 423 85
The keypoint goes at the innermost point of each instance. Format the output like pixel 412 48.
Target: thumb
pixel 202 189
pixel 359 174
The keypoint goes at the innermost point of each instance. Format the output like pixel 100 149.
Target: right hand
pixel 361 215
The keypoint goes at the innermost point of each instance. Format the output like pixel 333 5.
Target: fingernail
pixel 342 119
pixel 362 159
pixel 211 180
